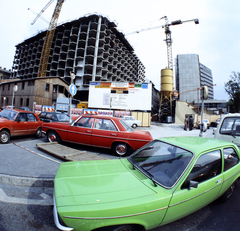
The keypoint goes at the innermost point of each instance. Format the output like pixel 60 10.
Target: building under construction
pixel 91 47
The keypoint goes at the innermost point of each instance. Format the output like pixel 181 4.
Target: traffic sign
pixel 72 89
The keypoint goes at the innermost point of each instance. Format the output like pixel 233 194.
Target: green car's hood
pixel 98 182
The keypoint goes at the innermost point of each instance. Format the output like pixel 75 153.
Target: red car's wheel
pixel 52 136
pixel 38 133
pixel 4 137
pixel 121 149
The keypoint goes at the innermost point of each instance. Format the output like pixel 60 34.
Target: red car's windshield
pixel 8 114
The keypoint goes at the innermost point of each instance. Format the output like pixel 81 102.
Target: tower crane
pixel 166 107
pixel 38 16
pixel 168 35
pixel 42 70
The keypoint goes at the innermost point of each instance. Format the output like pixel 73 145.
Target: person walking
pixel 190 123
pixel 186 123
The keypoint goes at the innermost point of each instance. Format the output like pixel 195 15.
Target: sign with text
pixel 120 95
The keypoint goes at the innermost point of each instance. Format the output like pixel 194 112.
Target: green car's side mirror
pixel 193 184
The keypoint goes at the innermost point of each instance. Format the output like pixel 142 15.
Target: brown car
pixel 14 122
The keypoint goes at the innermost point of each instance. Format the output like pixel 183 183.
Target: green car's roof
pixel 196 144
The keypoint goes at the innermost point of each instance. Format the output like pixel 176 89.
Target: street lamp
pixel 15 88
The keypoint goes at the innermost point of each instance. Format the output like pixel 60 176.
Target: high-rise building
pixel 91 47
pixel 190 76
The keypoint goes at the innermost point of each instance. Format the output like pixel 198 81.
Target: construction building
pixel 190 76
pixel 91 47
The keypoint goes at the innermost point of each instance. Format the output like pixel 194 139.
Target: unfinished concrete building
pixel 90 46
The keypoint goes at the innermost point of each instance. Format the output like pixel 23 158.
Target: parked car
pixel 54 117
pixel 163 181
pixel 215 123
pixel 7 107
pixel 99 131
pixel 131 121
pixel 25 108
pixel 229 128
pixel 14 122
pixel 204 121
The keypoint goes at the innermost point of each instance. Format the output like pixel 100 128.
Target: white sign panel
pixel 120 95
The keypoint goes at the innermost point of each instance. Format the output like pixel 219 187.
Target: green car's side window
pixel 207 166
pixel 230 158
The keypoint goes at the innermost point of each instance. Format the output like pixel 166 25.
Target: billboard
pixel 120 95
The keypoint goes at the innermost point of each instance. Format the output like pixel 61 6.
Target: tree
pixel 232 87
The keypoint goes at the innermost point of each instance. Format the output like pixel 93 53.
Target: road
pixel 30 208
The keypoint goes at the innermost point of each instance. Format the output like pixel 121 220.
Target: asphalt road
pixel 30 208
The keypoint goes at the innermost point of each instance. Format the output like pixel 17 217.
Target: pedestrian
pixel 186 123
pixel 190 123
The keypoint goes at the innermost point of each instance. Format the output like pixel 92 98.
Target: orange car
pixel 14 122
pixel 99 131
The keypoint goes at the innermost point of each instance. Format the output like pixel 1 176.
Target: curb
pixel 47 182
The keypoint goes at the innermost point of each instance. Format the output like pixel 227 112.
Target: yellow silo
pixel 166 82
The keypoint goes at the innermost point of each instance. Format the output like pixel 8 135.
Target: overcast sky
pixel 215 39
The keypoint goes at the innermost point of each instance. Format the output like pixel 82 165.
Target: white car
pixel 131 121
pixel 229 128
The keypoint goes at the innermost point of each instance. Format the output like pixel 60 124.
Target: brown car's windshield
pixel 162 162
pixel 8 114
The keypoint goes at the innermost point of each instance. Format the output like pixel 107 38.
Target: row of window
pixel 8 86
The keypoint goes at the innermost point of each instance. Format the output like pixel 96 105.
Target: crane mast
pixel 42 71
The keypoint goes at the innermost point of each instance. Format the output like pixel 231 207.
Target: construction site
pixel 91 49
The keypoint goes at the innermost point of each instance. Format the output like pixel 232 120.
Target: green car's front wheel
pixel 124 228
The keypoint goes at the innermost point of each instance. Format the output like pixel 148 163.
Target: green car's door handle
pixel 218 181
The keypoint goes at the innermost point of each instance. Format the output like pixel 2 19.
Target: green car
pixel 165 180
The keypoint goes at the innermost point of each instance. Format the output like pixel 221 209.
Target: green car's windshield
pixel 8 114
pixel 162 162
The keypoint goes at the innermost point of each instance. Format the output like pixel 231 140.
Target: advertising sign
pixel 120 95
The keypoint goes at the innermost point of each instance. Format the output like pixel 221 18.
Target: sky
pixel 216 39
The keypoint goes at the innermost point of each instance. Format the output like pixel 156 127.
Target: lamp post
pixel 15 88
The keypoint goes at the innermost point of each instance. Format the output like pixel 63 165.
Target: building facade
pixel 5 74
pixel 190 76
pixel 42 91
pixel 90 47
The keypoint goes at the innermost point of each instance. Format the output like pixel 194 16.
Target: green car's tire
pixel 228 193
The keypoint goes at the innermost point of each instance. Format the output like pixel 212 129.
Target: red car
pixel 99 131
pixel 15 122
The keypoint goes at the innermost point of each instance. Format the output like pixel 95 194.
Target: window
pixel 23 84
pixel 55 88
pixel 85 122
pixel 31 83
pixel 47 87
pixel 8 86
pixel 104 124
pixel 230 158
pixel 27 102
pixel 207 166
pixel 31 117
pixel 21 101
pixel 22 117
pixel 229 125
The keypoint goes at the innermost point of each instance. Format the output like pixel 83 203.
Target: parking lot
pixel 26 186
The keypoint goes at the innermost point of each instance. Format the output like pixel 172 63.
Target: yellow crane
pixel 42 70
